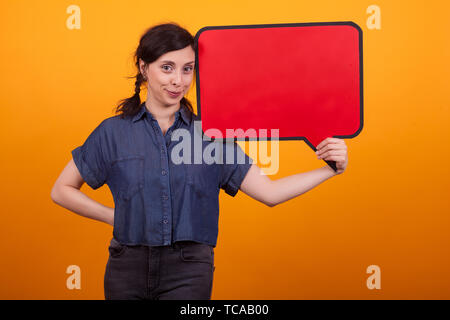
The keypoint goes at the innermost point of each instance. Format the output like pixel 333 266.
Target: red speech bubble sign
pixel 304 79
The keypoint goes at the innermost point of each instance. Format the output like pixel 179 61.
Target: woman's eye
pixel 167 67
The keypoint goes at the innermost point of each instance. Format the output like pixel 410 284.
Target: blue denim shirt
pixel 159 200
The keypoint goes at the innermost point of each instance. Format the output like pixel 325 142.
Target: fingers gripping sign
pixel 333 149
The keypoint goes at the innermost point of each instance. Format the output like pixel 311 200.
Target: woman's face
pixel 169 78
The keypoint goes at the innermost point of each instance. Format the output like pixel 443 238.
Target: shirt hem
pixel 165 245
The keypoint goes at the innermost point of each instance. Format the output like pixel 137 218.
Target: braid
pixel 137 84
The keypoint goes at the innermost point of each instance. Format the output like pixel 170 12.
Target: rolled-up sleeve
pixel 91 158
pixel 234 169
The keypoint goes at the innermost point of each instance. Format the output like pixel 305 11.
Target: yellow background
pixel 390 208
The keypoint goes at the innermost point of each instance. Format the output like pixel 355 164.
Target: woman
pixel 166 212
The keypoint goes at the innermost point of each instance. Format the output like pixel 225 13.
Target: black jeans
pixel 181 271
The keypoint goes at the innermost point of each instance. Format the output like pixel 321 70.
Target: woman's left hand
pixel 333 149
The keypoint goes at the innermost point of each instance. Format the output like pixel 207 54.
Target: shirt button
pixel 164 172
pixel 165 197
pixel 165 221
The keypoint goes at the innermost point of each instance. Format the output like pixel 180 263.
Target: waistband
pixel 175 245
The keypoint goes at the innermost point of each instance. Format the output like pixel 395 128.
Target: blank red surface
pixel 302 80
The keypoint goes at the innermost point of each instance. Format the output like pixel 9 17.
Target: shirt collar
pixel 185 114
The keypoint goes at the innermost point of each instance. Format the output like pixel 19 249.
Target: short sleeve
pixel 91 158
pixel 234 168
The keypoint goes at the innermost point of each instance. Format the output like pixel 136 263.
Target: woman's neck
pixel 162 113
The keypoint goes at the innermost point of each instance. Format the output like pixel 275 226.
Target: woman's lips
pixel 173 94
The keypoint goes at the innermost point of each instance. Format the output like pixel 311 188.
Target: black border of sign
pixel 253 26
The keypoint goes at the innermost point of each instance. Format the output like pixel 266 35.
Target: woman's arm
pixel 272 192
pixel 66 192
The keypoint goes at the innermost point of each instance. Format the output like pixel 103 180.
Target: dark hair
pixel 155 42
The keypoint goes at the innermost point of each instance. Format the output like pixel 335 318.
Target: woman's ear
pixel 142 68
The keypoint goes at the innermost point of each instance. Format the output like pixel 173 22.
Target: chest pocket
pixel 128 176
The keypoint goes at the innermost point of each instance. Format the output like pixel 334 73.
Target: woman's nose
pixel 177 78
